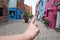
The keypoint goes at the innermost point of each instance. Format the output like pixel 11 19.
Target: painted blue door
pixel 12 13
pixel 19 13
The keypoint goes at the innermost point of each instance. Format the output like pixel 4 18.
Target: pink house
pixel 50 13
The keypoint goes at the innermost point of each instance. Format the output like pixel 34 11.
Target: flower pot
pixel 26 20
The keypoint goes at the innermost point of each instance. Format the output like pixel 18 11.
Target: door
pixel 12 13
pixel 1 12
pixel 58 18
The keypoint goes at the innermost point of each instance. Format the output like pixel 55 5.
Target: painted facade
pixel 42 8
pixel 37 13
pixel 27 8
pixel 3 11
pixel 12 4
pixel 12 9
pixel 58 13
pixel 21 6
pixel 30 10
pixel 50 12
pixel 16 8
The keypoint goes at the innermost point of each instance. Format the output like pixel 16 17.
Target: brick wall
pixel 5 12
pixel 21 6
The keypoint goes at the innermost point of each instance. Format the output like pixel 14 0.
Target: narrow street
pixel 18 27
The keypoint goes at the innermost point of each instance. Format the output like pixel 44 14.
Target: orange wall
pixel 21 1
pixel 30 10
pixel 27 8
pixel 21 6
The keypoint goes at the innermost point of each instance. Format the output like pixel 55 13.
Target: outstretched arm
pixel 31 32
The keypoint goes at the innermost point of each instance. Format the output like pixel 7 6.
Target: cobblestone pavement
pixel 19 26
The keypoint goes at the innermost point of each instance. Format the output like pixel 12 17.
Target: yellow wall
pixel 30 10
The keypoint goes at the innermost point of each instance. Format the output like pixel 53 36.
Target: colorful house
pixel 19 14
pixel 27 8
pixel 12 9
pixel 37 13
pixel 21 7
pixel 30 10
pixel 12 13
pixel 3 11
pixel 52 12
pixel 42 8
pixel 15 9
pixel 57 4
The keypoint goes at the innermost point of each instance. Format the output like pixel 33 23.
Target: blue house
pixel 42 8
pixel 13 12
pixel 12 9
pixel 37 11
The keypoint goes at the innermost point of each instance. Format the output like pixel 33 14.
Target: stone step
pixel 57 29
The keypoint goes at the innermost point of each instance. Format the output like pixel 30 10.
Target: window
pixel 47 13
pixel 58 7
pixel 47 0
pixel 1 12
pixel 12 13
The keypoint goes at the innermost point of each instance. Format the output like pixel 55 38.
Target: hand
pixel 32 30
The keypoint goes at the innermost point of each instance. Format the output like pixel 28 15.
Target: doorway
pixel 12 13
pixel 58 18
pixel 1 12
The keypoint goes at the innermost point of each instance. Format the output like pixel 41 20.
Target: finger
pixel 36 26
pixel 33 20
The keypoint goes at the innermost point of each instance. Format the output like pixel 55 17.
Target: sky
pixel 31 3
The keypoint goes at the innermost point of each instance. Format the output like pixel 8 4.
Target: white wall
pixel 12 3
pixel 58 19
pixel 32 3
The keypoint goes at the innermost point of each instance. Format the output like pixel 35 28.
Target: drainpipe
pixel 16 9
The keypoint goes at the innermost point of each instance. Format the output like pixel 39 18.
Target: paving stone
pixel 19 26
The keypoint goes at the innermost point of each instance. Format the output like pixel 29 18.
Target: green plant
pixel 31 16
pixel 43 18
pixel 46 22
pixel 26 16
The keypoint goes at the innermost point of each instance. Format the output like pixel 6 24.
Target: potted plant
pixel 43 18
pixel 26 16
pixel 46 22
pixel 30 16
pixel 58 29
